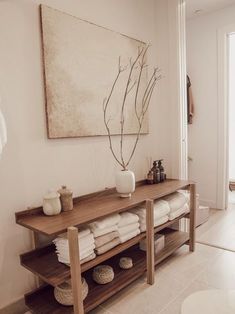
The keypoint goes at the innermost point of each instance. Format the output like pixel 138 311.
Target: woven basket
pixel 64 294
pixel 103 274
pixel 126 263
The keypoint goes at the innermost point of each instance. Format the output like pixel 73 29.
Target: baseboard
pixel 17 307
pixel 209 203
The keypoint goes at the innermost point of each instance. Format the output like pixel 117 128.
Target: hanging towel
pixel 99 241
pixel 97 232
pixel 108 246
pixel 3 132
pixel 129 228
pixel 127 218
pixel 105 222
pixel 190 102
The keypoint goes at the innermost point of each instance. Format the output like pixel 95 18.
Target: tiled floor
pixel 219 231
pixel 178 277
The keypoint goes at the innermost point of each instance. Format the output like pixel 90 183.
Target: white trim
pixel 177 82
pixel 223 121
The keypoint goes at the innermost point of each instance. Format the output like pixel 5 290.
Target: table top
pixel 94 206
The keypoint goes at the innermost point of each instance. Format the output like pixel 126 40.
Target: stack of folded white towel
pixel 161 211
pixel 105 232
pixel 128 226
pixel 178 203
pixel 86 246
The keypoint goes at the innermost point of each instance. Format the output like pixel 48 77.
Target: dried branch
pixel 133 65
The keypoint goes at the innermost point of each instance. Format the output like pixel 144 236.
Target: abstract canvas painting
pixel 80 65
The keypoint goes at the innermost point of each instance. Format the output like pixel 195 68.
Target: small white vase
pixel 125 183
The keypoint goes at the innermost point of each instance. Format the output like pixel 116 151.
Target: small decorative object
pixel 159 243
pixel 126 263
pixel 161 170
pixel 51 203
pixel 125 183
pixel 136 94
pixel 64 294
pixel 150 177
pixel 66 198
pixel 103 274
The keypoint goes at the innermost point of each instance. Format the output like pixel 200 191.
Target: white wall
pixel 232 108
pixel 202 66
pixel 31 163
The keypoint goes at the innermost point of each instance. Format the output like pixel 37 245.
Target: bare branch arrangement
pixel 138 64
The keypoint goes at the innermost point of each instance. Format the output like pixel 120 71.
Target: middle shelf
pixel 44 298
pixel 43 261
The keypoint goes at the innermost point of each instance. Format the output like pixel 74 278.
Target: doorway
pixel 231 119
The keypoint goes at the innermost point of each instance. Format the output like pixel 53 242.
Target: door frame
pixel 177 82
pixel 223 116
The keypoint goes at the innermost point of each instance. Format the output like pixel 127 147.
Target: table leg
pixel 192 226
pixel 75 269
pixel 150 242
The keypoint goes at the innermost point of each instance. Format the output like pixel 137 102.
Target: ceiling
pixel 205 6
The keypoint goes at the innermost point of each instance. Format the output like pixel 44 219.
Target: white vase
pixel 125 183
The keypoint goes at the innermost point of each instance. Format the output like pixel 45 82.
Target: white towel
pixel 179 212
pixel 129 235
pixel 64 251
pixel 84 242
pixel 129 228
pixel 64 258
pixel 157 223
pixel 176 200
pixel 161 208
pixel 127 218
pixel 82 232
pixel 99 232
pixel 106 222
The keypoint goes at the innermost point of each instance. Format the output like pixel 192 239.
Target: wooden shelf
pixel 43 262
pixel 42 300
pixel 95 206
pixel 174 239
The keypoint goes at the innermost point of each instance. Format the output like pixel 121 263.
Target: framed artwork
pixel 80 65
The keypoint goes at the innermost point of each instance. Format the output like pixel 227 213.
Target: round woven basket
pixel 103 274
pixel 64 294
pixel 126 263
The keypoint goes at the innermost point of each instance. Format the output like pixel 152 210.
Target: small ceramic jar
pixel 51 203
pixel 66 198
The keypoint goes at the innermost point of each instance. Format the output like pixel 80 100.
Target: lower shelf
pixel 42 300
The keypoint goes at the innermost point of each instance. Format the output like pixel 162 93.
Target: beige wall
pixel 202 63
pixel 31 163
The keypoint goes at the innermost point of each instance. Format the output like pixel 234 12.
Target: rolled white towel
pixel 179 212
pixel 157 222
pixel 129 228
pixel 127 218
pixel 99 232
pixel 106 222
pixel 129 235
pixel 176 201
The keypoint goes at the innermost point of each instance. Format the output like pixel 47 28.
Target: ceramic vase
pixel 125 183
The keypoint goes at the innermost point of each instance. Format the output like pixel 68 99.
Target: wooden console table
pixel 43 262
